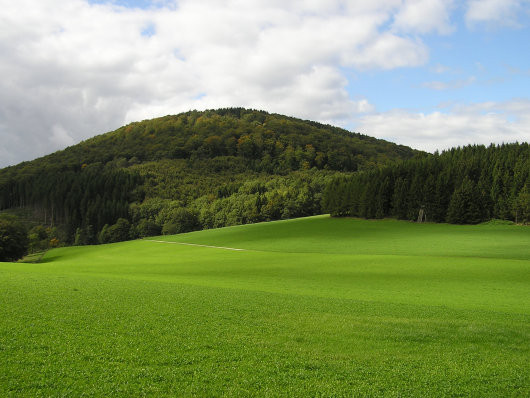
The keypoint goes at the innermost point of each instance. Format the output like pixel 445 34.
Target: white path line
pixel 195 244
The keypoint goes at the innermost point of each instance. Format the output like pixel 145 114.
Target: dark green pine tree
pixel 466 205
pixel 442 197
pixel 521 206
pixel 383 198
pixel 400 198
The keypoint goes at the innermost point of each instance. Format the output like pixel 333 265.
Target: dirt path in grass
pixel 195 244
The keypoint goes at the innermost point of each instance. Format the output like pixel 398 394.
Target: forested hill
pixel 266 142
pixel 189 171
pixel 463 185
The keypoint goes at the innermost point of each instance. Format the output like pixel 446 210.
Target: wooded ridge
pixel 189 171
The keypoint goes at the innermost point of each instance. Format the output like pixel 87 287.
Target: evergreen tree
pixel 465 206
pixel 521 207
pixel 462 185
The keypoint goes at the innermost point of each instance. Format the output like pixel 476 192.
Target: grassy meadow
pixel 316 306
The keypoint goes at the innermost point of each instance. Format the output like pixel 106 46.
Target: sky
pixel 429 74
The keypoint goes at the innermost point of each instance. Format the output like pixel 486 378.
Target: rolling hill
pixel 190 171
pixel 316 306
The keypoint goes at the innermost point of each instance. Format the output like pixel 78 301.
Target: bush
pixel 41 238
pixel 38 239
pixel 13 240
pixel 147 228
pixel 180 220
pixel 115 233
pixel 120 231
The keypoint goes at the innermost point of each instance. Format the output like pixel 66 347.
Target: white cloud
pixel 90 68
pixel 72 70
pixel 425 16
pixel 481 123
pixel 497 12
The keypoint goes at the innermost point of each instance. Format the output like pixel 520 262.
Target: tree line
pixel 465 185
pixel 231 202
pixel 105 203
pixel 264 198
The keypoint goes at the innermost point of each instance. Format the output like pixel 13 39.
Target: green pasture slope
pixel 316 307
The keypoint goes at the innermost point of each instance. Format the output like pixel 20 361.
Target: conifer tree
pixel 465 206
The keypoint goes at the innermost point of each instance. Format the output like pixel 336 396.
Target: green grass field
pixel 316 307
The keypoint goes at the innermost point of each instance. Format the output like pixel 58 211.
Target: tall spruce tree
pixel 465 206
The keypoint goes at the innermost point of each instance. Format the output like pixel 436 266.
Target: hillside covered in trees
pixel 462 186
pixel 189 171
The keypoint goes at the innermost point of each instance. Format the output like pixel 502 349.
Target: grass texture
pixel 316 307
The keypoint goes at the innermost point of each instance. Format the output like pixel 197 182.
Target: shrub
pixel 13 240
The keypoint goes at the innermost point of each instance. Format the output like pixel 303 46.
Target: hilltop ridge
pixel 262 139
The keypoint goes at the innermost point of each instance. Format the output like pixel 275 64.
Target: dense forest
pixel 189 171
pixel 464 186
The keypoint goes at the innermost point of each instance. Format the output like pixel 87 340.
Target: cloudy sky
pixel 430 74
